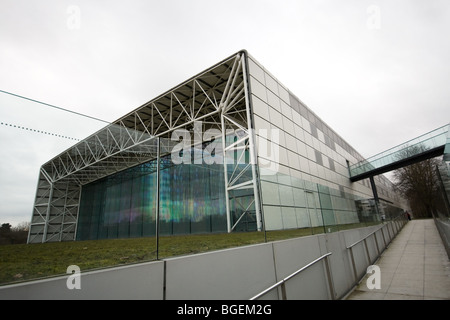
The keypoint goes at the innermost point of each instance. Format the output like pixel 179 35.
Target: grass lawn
pixel 22 262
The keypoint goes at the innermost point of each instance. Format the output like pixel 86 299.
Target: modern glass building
pixel 230 149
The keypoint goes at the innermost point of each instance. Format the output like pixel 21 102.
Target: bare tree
pixel 14 235
pixel 21 226
pixel 418 182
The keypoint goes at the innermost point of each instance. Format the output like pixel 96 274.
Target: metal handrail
pixel 282 282
pixel 373 232
pixel 395 232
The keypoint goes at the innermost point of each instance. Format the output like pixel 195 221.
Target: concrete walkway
pixel 415 266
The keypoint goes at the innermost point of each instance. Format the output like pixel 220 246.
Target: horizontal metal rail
pixel 364 239
pixel 282 282
pixel 394 224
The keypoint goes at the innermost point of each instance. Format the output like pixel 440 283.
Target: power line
pixel 37 131
pixel 53 106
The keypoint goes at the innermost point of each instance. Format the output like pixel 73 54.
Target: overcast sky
pixel 377 72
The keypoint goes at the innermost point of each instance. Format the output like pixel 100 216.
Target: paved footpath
pixel 415 266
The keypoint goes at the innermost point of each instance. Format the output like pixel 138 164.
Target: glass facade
pixel 192 200
pixel 292 203
pixel 121 205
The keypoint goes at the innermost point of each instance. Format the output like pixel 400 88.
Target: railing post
pixel 355 272
pixel 389 232
pixel 384 238
pixel 330 279
pixel 376 243
pixel 367 250
pixel 283 291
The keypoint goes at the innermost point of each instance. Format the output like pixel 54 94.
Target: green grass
pixel 22 262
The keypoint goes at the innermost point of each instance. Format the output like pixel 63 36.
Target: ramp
pixel 414 267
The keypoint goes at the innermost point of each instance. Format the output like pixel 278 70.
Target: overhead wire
pixel 37 131
pixel 48 105
pixel 53 106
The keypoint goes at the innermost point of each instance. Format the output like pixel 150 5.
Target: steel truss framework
pixel 217 99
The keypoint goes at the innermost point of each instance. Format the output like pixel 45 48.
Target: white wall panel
pixel 273 101
pixel 283 93
pixel 256 70
pixel 276 118
pixel 271 83
pixel 260 108
pixel 258 89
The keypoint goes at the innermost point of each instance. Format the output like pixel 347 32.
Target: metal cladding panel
pixel 135 282
pixel 289 255
pixel 221 275
pixel 343 276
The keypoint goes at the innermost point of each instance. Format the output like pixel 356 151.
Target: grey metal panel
pixel 140 281
pixel 444 231
pixel 370 242
pixel 359 251
pixel 238 273
pixel 290 255
pixel 310 284
pixel 340 264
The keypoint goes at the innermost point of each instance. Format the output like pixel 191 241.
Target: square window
pixel 303 219
pixel 314 131
pixel 331 162
pixel 270 194
pixel 272 218
pixel 286 197
pixel 289 218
